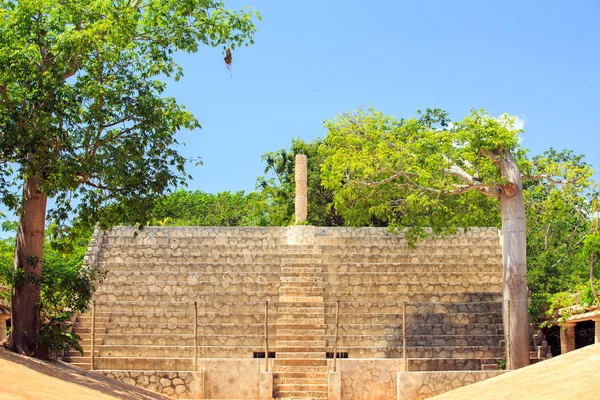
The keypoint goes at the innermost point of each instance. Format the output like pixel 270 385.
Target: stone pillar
pixel 334 385
pixel 301 188
pixel 597 331
pixel 567 338
pixel 3 318
pixel 196 388
pixel 266 386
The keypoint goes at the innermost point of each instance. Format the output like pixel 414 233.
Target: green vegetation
pixel 84 120
pixel 66 288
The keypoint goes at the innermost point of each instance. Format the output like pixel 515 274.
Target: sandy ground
pixel 575 375
pixel 24 378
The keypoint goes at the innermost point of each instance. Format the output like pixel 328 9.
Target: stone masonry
pixel 187 305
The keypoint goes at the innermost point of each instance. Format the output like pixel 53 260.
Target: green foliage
pixel 66 288
pixel 558 224
pixel 82 104
pixel 408 173
pixel 277 187
pixel 183 208
pixel 398 171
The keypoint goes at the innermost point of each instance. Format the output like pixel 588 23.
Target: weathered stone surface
pixel 422 385
pixel 145 311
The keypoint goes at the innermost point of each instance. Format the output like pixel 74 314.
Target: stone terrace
pixel 182 309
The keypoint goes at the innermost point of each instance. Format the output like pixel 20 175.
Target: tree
pixel 558 220
pixel 412 170
pixel 278 191
pixel 187 208
pixel 82 116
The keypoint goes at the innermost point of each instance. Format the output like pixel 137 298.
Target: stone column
pixel 266 386
pixel 597 331
pixel 334 385
pixel 567 338
pixel 3 318
pixel 301 188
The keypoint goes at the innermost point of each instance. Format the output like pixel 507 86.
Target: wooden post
pixel 195 336
pixel 404 336
pixel 266 336
pixel 93 334
pixel 508 342
pixel 335 340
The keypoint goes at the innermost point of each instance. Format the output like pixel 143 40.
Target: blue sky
pixel 312 60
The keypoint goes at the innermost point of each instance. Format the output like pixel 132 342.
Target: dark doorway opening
pixel 552 335
pixel 584 334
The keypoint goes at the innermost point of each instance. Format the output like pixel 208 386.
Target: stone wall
pixel 181 385
pixel 422 385
pixel 373 379
pixel 217 379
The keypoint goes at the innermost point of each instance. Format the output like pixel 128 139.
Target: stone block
pixel 266 386
pixel 334 385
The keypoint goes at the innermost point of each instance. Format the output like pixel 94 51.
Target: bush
pixel 66 288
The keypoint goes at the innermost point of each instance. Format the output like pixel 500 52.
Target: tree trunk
pixel 28 258
pixel 515 292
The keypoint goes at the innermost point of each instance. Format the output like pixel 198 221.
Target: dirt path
pixel 24 378
pixel 575 375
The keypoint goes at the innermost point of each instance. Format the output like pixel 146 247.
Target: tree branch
pixel 388 179
pixel 492 157
pixel 549 178
pixel 490 190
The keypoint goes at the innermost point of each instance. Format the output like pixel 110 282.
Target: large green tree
pixel 83 119
pixel 412 171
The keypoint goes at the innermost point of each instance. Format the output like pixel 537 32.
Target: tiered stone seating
pixel 161 280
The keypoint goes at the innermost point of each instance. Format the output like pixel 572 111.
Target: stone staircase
pixel 301 364
pixel 171 291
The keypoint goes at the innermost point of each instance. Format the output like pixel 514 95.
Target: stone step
pixel 287 333
pixel 187 297
pixel 144 363
pixel 354 278
pixel 300 259
pixel 301 387
pixel 489 367
pixel 449 364
pixel 300 320
pixel 300 354
pixel 301 290
pixel 317 309
pixel 300 279
pixel 174 278
pixel 279 375
pixel 302 270
pixel 199 231
pixel 414 297
pixel 300 299
pixel 300 369
pixel 191 267
pixel 300 394
pixel 447 266
pixel 449 352
pixel 410 287
pixel 309 250
pixel 381 318
pixel 299 381
pixel 423 330
pixel 310 344
pixel 281 362
pixel 195 240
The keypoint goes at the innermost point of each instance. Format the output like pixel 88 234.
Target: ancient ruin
pixel 296 312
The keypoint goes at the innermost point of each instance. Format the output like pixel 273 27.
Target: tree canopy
pixel 412 171
pixel 84 119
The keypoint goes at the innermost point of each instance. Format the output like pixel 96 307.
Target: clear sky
pixel 539 60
